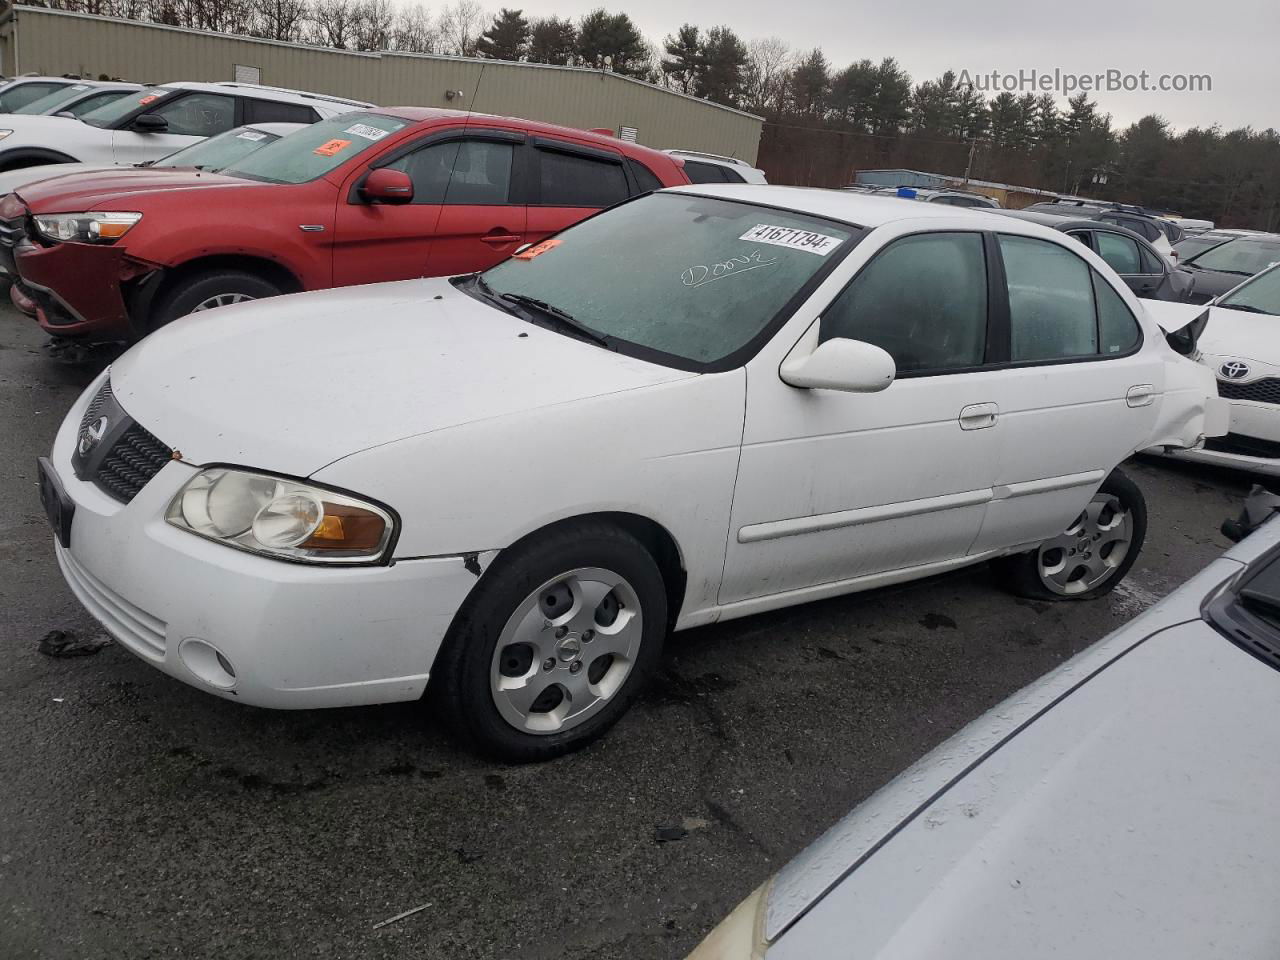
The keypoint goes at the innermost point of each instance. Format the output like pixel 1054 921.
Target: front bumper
pixel 294 635
pixel 1252 442
pixel 76 288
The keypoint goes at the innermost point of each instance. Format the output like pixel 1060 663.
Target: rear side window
pixel 1150 261
pixel 699 172
pixel 574 180
pixel 923 299
pixel 269 111
pixel 1117 327
pixel 1051 301
pixel 645 178
pixel 1121 253
pixel 460 172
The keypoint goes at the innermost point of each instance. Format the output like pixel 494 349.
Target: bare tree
pixel 333 23
pixel 278 19
pixel 371 24
pixel 460 26
pixel 769 61
pixel 414 30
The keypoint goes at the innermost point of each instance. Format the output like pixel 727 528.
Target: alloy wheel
pixel 221 300
pixel 1090 551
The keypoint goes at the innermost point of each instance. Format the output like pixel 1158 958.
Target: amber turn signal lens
pixel 345 527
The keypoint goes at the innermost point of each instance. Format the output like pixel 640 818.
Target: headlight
pixel 86 227
pixel 281 518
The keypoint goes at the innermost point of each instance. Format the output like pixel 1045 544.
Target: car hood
pixel 293 383
pixel 1237 333
pixel 109 188
pixel 11 180
pixel 1134 816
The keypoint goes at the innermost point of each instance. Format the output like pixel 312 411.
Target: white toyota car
pixel 701 404
pixel 155 121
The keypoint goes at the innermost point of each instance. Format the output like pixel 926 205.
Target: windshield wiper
pixel 566 320
pixel 1247 308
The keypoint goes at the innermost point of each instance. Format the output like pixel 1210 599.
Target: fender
pixel 312 266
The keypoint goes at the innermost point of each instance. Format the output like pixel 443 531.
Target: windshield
pixel 1259 295
pixel 52 102
pixel 220 151
pixel 1243 256
pixel 1191 246
pixel 321 147
pixel 692 278
pixel 111 113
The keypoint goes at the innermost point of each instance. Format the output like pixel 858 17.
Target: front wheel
pixel 207 291
pixel 553 644
pixel 1092 555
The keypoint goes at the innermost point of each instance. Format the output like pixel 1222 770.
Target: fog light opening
pixel 207 663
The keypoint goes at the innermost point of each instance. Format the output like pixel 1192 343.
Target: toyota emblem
pixel 1234 370
pixel 92 435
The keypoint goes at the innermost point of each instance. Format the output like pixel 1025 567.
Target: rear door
pixel 191 117
pixel 467 213
pixel 570 181
pixel 1079 395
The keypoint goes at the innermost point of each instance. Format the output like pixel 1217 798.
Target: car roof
pixel 279 94
pixel 864 210
pixel 429 114
pixel 1073 223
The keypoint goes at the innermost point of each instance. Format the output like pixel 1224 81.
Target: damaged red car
pixel 387 194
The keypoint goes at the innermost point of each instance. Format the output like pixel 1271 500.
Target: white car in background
pixel 713 168
pixel 1241 344
pixel 76 100
pixel 17 92
pixel 1122 806
pixel 701 404
pixel 156 121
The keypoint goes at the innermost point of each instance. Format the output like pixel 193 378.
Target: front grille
pixel 1266 390
pixel 130 625
pixel 125 457
pixel 1242 446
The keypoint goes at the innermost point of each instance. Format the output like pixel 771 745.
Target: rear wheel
pixel 553 644
pixel 208 291
pixel 1092 555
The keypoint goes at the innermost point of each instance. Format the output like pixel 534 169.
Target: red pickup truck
pixel 384 194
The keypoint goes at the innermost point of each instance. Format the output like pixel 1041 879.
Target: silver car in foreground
pixel 1123 806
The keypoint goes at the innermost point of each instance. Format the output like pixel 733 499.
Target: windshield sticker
pixel 79 86
pixel 331 148
pixel 145 100
pixel 366 131
pixel 251 135
pixel 537 250
pixel 702 273
pixel 792 239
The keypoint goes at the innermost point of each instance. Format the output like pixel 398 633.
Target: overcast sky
pixel 1234 41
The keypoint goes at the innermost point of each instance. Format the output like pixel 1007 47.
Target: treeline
pixel 823 122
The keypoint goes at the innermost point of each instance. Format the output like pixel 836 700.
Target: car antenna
pixel 444 199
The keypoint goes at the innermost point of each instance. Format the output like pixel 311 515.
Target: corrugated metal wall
pixel 55 42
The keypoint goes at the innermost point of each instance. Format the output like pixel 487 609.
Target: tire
pixel 197 292
pixel 522 682
pixel 1116 517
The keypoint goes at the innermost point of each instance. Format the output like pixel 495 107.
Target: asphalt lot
pixel 140 818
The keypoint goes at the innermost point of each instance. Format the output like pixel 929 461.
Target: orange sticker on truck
pixel 538 249
pixel 331 148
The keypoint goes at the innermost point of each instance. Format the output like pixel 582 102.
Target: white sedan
pixel 1122 806
pixel 701 404
pixel 1241 345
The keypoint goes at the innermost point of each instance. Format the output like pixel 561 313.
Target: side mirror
pixel 1184 339
pixel 150 123
pixel 840 364
pixel 385 185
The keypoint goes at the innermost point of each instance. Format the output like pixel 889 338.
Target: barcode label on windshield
pixel 366 131
pixel 792 239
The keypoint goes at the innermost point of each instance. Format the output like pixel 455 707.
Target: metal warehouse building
pixel 36 40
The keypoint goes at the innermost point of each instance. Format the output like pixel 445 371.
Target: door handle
pixel 498 236
pixel 979 416
pixel 1141 395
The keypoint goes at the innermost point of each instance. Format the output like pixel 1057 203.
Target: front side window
pixel 574 180
pixel 199 114
pixel 1121 253
pixel 1259 295
pixel 1051 301
pixel 1244 256
pixel 460 172
pixel 923 299
pixel 317 149
pixel 691 279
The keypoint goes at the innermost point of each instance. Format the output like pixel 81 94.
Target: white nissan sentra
pixel 698 405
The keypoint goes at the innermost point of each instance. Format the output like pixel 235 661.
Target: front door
pixel 466 213
pixel 833 486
